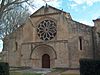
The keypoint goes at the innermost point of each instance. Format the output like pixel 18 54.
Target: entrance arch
pixel 45 61
pixel 42 53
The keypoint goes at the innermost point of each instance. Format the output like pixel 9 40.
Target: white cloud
pixel 90 23
pixel 88 2
pixel 39 3
pixel 1 45
pixel 73 5
pixel 55 3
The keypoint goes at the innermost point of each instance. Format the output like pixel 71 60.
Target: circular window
pixel 46 30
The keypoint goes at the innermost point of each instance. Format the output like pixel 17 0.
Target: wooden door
pixel 45 61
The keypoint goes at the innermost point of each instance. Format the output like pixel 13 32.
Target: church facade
pixel 51 38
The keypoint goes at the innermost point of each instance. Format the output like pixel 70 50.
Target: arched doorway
pixel 40 53
pixel 45 61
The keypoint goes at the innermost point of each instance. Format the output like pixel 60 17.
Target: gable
pixel 47 10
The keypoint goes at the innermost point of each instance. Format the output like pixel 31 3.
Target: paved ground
pixel 53 73
pixel 31 70
pixel 56 72
pixel 48 71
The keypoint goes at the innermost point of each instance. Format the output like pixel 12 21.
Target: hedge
pixel 89 67
pixel 4 68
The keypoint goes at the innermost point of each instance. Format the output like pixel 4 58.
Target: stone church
pixel 50 38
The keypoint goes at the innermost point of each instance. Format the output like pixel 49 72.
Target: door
pixel 45 61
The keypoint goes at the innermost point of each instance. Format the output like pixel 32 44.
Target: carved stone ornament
pixel 46 30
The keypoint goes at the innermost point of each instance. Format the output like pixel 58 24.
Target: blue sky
pixel 83 11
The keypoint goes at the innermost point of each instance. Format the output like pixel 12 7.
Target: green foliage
pixel 4 68
pixel 15 73
pixel 69 74
pixel 31 74
pixel 89 67
pixel 24 73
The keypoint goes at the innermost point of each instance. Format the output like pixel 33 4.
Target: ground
pixel 44 72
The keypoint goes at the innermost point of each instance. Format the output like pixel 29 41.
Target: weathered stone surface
pixel 25 48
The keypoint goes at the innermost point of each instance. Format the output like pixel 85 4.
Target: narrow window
pixel 80 42
pixel 16 45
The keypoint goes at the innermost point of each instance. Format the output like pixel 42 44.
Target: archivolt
pixel 44 48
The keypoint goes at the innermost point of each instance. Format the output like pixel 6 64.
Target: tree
pixel 12 20
pixel 6 5
pixel 13 13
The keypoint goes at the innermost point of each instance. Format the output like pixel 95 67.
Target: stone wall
pixel 97 37
pixel 66 44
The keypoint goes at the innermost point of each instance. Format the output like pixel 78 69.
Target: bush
pixel 4 68
pixel 89 67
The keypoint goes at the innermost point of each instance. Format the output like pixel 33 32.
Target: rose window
pixel 46 30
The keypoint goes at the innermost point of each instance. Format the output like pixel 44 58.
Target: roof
pixel 98 19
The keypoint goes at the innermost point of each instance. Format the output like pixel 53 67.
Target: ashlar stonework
pixel 51 38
